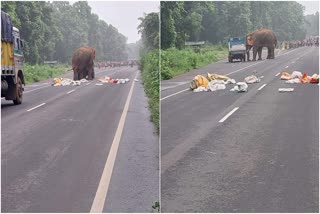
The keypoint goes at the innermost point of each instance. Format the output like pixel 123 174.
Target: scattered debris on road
pixel 285 89
pixel 200 89
pixel 67 81
pixel 252 79
pixel 298 77
pixel 240 87
pixel 212 82
pixel 107 79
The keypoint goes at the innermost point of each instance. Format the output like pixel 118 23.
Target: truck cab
pixel 12 77
pixel 237 49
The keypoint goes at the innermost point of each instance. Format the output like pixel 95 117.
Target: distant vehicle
pixel 237 49
pixel 12 77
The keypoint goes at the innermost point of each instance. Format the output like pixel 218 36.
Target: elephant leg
pixel 90 74
pixel 248 48
pixel 248 56
pixel 259 53
pixel 254 53
pixel 269 53
pixel 81 74
pixel 75 76
pixel 272 52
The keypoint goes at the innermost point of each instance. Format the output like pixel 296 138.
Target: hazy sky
pixel 124 15
pixel 310 6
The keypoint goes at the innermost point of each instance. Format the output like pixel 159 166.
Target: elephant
pixel 82 63
pixel 259 39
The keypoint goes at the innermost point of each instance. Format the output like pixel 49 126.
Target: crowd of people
pixel 117 63
pixel 309 41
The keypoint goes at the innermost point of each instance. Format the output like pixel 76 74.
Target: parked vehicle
pixel 12 77
pixel 237 49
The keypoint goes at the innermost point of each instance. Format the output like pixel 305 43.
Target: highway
pixel 88 148
pixel 256 151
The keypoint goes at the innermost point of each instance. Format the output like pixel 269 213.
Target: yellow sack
pixel 198 81
pixel 217 77
pixel 57 80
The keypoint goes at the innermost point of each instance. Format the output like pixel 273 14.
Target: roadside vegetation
pixel 175 61
pixel 36 73
pixel 53 30
pixel 150 77
pixel 149 62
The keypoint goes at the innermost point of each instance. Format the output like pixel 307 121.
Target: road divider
pixel 36 107
pixel 228 115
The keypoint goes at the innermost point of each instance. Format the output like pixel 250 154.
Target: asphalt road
pixel 264 157
pixel 53 156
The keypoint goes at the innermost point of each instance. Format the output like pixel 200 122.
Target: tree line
pixel 53 31
pixel 215 22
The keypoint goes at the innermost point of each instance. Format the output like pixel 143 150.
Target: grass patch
pixel 36 73
pixel 149 66
pixel 174 61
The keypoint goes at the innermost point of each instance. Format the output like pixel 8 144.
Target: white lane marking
pixel 262 87
pixel 174 94
pixel 101 194
pixel 88 83
pixel 70 91
pixel 37 85
pixel 36 107
pixel 242 68
pixel 287 66
pixel 277 74
pixel 36 89
pixel 228 115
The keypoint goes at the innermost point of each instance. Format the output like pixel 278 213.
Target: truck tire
pixel 18 92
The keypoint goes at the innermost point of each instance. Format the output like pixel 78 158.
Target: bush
pixel 149 65
pixel 174 61
pixel 36 73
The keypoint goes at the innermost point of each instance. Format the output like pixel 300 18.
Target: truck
pixel 237 49
pixel 12 59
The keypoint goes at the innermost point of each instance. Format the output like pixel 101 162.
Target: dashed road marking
pixel 287 66
pixel 69 92
pixel 174 94
pixel 228 115
pixel 36 107
pixel 277 74
pixel 36 89
pixel 262 87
